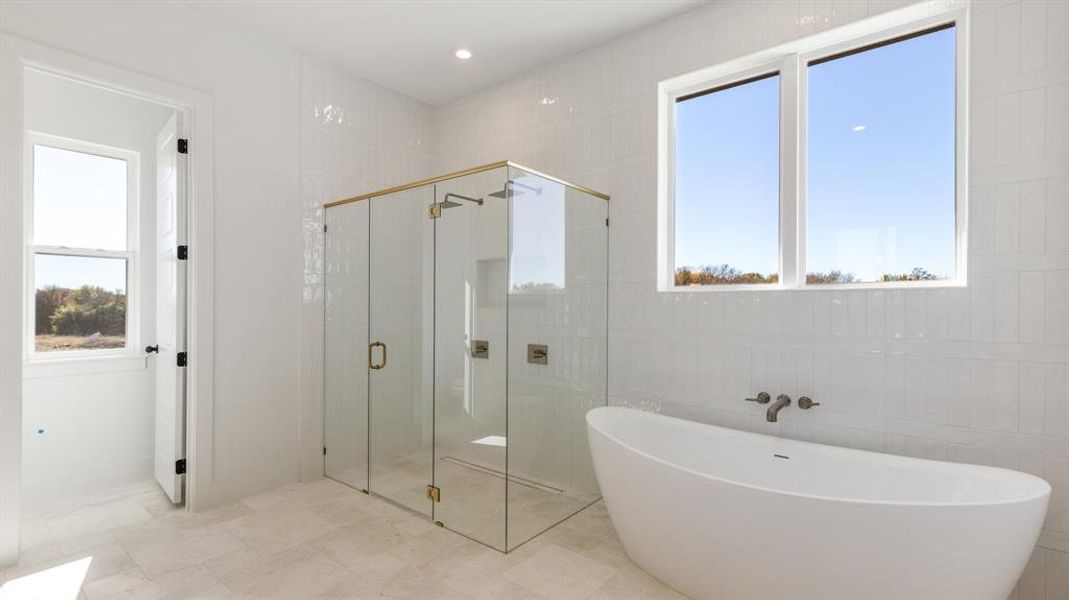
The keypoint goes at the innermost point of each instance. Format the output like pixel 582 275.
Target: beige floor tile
pixel 432 546
pixel 321 539
pixel 343 510
pixel 89 527
pixel 419 582
pixel 32 559
pixel 300 572
pixel 502 589
pixel 634 584
pixel 119 583
pixel 104 561
pixel 355 545
pixel 271 530
pixel 556 572
pixel 214 516
pixel 478 571
pixel 159 549
pixel 195 582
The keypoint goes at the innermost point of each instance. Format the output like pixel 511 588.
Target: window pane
pixel 537 234
pixel 881 164
pixel 727 185
pixel 79 200
pixel 80 303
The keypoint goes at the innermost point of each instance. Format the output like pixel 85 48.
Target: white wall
pixel 254 85
pixel 971 375
pixel 96 429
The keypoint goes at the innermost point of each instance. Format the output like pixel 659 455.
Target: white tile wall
pixel 972 375
pixel 355 137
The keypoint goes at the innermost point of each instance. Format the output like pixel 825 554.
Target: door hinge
pixel 182 359
pixel 324 450
pixel 434 494
pixel 324 228
pixel 606 221
pixel 180 466
pixel 183 253
pixel 434 210
pixel 183 146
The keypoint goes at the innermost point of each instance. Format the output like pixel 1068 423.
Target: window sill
pixel 830 287
pixel 83 365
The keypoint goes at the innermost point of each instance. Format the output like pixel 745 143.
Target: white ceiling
pixel 407 45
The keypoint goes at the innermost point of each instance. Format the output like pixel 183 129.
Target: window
pixel 727 184
pixel 82 248
pixel 833 161
pixel 880 176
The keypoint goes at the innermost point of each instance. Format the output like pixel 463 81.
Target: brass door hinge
pixel 434 210
pixel 434 494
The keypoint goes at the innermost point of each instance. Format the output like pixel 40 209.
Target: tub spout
pixel 773 411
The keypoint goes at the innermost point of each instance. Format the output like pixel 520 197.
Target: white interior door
pixel 170 311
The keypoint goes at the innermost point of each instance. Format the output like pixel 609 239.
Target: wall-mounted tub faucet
pixel 773 411
pixel 806 403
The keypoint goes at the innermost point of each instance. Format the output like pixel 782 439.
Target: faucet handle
pixel 762 398
pixel 805 403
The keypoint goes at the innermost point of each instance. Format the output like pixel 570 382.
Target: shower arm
pixel 449 195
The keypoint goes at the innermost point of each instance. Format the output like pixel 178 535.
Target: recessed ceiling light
pixel 462 53
pixel 858 128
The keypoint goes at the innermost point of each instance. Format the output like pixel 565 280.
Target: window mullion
pixel 792 225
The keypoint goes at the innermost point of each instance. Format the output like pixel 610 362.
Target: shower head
pixel 503 193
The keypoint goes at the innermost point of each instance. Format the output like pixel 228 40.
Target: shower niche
pixel 436 293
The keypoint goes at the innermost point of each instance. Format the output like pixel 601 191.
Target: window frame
pixel 791 62
pixel 132 254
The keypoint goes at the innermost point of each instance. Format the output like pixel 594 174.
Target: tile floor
pixel 316 540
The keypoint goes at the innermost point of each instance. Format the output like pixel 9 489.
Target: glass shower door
pixel 345 425
pixel 399 352
pixel 557 323
pixel 470 358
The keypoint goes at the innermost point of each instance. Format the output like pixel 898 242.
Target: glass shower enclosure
pixel 466 338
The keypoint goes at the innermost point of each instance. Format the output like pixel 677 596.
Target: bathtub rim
pixel 1043 491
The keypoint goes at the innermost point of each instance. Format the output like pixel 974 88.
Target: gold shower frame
pixel 487 167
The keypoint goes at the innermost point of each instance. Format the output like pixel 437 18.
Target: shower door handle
pixel 370 359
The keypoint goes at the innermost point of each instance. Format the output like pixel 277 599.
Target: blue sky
pixel 75 271
pixel 880 195
pixel 79 201
pixel 727 178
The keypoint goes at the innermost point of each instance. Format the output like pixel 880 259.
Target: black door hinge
pixel 180 466
pixel 183 253
pixel 606 221
pixel 324 450
pixel 324 228
pixel 182 359
pixel 183 146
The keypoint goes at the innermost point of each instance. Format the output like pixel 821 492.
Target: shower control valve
pixel 805 403
pixel 762 398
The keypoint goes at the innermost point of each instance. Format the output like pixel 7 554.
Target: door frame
pixel 18 55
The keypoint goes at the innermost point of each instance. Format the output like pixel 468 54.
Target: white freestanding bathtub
pixel 720 513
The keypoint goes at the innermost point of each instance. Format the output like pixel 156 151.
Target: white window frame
pixel 791 62
pixel 132 253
